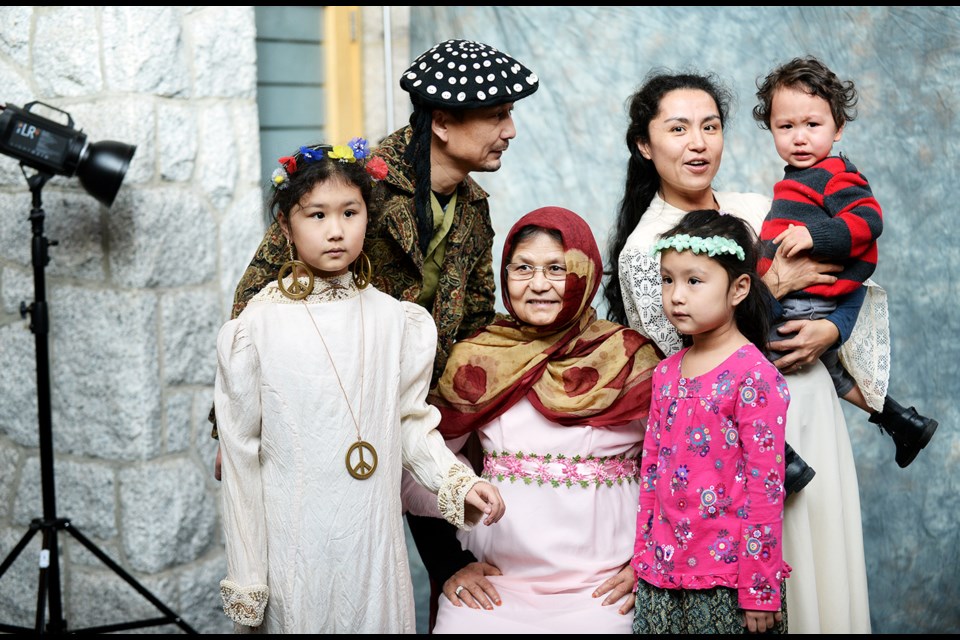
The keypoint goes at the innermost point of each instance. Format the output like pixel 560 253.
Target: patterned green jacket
pixel 464 300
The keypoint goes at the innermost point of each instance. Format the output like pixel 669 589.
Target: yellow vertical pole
pixel 344 73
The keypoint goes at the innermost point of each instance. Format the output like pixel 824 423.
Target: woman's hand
pixel 476 590
pixel 618 586
pixel 760 621
pixel 812 339
pixel 787 275
pixel 485 498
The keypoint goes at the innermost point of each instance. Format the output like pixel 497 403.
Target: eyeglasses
pixel 520 271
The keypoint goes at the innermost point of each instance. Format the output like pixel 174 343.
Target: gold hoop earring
pixel 297 290
pixel 362 270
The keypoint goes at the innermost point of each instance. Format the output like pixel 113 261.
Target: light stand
pixel 49 592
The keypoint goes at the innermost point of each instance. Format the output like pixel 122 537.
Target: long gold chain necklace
pixel 361 469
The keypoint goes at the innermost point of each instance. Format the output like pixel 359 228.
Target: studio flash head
pixel 60 149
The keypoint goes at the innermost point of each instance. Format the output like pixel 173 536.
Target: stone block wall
pixel 136 295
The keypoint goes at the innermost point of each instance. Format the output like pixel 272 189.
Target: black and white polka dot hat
pixel 463 74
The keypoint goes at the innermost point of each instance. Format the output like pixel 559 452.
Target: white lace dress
pixel 323 551
pixel 822 532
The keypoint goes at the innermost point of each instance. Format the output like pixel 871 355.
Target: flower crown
pixel 356 149
pixel 710 246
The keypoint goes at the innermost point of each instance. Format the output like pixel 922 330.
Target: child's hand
pixel 486 498
pixel 760 621
pixel 794 240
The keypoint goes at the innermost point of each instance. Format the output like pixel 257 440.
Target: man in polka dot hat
pixel 463 93
pixel 456 87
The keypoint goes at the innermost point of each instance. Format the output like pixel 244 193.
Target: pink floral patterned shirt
pixel 711 486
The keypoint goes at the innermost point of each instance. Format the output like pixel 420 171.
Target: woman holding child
pixel 675 140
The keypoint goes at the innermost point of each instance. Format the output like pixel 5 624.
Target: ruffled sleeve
pixel 237 398
pixel 643 298
pixel 416 498
pixel 425 455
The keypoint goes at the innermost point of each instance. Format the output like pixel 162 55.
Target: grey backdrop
pixel 906 63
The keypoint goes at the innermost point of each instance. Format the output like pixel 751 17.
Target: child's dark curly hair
pixel 814 77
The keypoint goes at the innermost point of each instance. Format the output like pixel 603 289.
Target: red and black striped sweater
pixel 834 201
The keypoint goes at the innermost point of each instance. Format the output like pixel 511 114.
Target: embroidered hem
pixel 451 498
pixel 244 605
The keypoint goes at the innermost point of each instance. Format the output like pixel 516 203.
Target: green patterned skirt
pixel 694 610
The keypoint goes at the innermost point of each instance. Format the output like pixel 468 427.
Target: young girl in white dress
pixel 321 402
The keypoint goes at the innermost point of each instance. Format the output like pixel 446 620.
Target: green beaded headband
pixel 710 246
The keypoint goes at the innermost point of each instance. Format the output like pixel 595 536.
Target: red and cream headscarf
pixel 578 370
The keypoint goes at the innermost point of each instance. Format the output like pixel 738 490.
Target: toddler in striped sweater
pixel 824 207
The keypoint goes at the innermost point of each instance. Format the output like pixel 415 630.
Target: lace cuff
pixel 451 498
pixel 244 605
pixel 866 353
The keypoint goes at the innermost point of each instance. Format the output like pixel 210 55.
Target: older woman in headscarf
pixel 559 400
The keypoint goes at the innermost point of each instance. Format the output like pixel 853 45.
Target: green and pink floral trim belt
pixel 559 470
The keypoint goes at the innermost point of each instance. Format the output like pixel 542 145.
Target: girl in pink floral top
pixel 708 546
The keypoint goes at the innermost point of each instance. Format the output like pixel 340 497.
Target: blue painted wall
pixel 906 64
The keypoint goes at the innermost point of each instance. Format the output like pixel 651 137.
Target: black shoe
pixel 910 431
pixel 797 474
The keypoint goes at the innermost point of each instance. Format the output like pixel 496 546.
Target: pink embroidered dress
pixel 711 492
pixel 571 494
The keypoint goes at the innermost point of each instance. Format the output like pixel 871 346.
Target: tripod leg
pixel 24 541
pixel 50 582
pixel 105 559
pixel 41 600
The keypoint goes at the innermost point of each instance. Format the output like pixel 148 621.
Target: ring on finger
pixel 459 589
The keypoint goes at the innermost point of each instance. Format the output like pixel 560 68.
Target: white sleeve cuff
pixel 244 605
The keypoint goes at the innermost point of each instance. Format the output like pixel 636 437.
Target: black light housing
pixel 60 149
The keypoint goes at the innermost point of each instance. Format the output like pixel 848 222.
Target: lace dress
pixel 310 548
pixel 822 531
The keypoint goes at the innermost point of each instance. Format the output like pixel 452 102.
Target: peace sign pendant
pixel 362 468
pixel 296 290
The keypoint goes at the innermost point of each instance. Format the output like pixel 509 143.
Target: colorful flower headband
pixel 356 149
pixel 710 246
